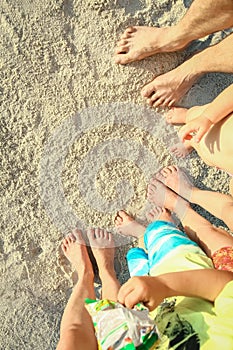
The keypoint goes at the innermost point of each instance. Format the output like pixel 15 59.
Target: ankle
pixel 86 276
pixel 178 37
pixel 107 272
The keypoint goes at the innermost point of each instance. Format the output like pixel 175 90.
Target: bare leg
pixel 168 88
pixel 208 237
pixel 102 245
pixel 77 331
pixel 201 19
pixel 218 204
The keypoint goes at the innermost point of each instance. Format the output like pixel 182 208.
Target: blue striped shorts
pixel 162 239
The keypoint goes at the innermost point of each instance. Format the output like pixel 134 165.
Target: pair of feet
pixel 139 42
pixel 169 191
pixel 163 191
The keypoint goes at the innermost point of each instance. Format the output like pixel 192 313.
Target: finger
pixel 124 291
pixel 199 135
pixel 185 133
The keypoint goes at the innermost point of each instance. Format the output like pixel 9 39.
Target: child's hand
pixel 145 289
pixel 199 126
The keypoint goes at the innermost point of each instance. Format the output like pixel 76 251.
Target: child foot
pixel 176 180
pixel 74 248
pixel 127 226
pixel 176 116
pixel 103 248
pixel 181 150
pixel 159 213
pixel 162 196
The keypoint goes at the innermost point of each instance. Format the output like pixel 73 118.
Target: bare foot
pixel 176 180
pixel 159 213
pixel 181 150
pixel 103 248
pixel 176 116
pixel 74 248
pixel 166 89
pixel 162 196
pixel 139 42
pixel 127 226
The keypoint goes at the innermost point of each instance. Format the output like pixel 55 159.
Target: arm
pixel 221 107
pixel 205 284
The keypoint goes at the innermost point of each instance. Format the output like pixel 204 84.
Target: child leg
pixel 164 241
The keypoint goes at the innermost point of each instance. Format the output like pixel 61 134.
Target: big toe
pixel 148 90
pixel 122 56
pixel 124 216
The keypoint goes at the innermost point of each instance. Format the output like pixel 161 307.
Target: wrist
pixel 208 119
pixel 166 280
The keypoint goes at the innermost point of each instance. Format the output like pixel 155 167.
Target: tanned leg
pixel 77 331
pixel 167 89
pixel 202 18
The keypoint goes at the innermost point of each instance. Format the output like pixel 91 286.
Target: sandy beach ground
pixel 77 144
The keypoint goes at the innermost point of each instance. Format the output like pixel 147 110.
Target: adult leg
pixel 202 18
pixel 77 331
pixel 102 245
pixel 168 88
pixel 218 204
pixel 208 237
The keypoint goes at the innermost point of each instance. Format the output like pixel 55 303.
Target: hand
pixel 199 126
pixel 150 291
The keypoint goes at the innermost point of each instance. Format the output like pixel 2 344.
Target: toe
pixel 173 168
pixel 97 233
pixel 123 49
pixel 166 102
pixel 158 102
pixel 122 42
pixel 124 57
pixel 77 235
pixel 123 215
pixel 159 176
pixel 69 238
pixel 64 246
pixel 171 103
pixel 91 234
pixel 130 30
pixel 102 233
pixel 149 216
pixel 148 90
pixel 118 221
pixel 105 234
pixel 166 171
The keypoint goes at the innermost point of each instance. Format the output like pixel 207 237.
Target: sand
pixel 78 143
